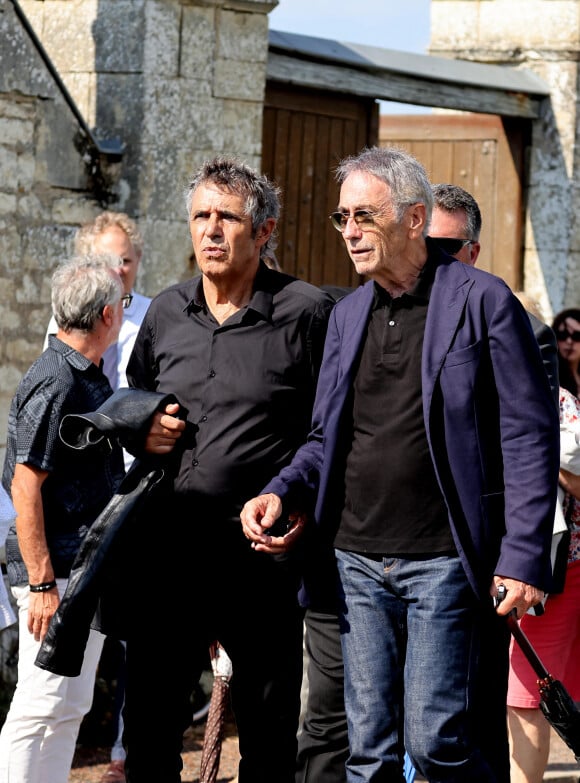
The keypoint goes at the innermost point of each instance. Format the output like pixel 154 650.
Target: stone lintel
pixel 253 6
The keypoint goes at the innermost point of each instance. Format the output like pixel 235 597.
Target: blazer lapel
pixel 448 297
pixel 353 327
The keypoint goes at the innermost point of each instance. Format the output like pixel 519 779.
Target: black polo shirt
pixel 393 503
pixel 248 384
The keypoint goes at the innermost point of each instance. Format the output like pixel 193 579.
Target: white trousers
pixel 118 751
pixel 38 739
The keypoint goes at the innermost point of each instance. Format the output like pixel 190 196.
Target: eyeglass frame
pixel 362 218
pixel 126 299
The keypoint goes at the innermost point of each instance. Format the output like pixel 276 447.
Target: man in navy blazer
pixel 432 465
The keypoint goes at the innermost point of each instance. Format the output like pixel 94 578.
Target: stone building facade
pixel 171 81
pixel 543 36
pixel 115 102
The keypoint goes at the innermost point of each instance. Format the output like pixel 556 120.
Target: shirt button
pixel 203 418
pixel 212 373
pixel 195 463
pixel 392 323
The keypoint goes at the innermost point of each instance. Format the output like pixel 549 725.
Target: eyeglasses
pixel 451 245
pixel 126 299
pixel 362 217
pixel 564 334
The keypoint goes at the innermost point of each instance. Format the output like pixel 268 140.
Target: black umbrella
pixel 555 701
pixel 213 737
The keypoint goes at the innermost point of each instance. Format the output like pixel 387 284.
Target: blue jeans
pixel 410 640
pixel 323 741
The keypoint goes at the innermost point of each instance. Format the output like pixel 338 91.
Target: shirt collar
pixel 424 282
pixel 261 301
pixel 72 356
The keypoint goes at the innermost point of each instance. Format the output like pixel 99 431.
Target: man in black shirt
pixel 240 347
pixel 455 227
pixel 416 464
pixel 323 741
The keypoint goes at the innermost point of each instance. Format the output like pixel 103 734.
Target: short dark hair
pixel 452 198
pixel 262 196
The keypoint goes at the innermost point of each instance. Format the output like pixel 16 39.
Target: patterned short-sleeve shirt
pixel 79 484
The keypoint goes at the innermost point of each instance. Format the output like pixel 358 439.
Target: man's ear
pixel 417 217
pixel 108 315
pixel 474 249
pixel 265 231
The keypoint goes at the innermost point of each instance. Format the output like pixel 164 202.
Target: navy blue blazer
pixel 490 418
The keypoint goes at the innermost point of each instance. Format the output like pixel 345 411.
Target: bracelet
pixel 43 587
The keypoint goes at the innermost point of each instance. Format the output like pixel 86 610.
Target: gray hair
pixel 81 287
pixel 405 176
pixel 262 197
pixel 452 198
pixel 86 235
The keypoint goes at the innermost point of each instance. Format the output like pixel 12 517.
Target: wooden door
pixel 305 135
pixel 485 155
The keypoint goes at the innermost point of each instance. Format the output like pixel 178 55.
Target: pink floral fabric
pixel 570 417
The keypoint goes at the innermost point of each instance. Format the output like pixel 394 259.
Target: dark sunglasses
pixel 362 217
pixel 451 245
pixel 563 334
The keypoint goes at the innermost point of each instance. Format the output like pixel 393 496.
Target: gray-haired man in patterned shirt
pixel 57 494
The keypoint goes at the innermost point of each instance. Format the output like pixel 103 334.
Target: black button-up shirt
pixel 248 384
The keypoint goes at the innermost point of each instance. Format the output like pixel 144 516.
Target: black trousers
pixel 490 695
pixel 323 741
pixel 222 590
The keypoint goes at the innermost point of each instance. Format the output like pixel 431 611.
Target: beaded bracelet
pixel 43 587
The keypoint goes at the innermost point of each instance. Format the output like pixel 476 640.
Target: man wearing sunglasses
pixel 456 222
pixel 413 466
pixel 455 227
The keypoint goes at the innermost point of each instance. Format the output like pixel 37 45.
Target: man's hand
pixel 520 596
pixel 570 482
pixel 259 514
pixel 41 607
pixel 165 430
pixel 27 498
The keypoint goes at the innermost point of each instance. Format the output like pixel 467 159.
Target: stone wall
pixel 542 36
pixel 177 80
pixel 180 80
pixel 43 197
